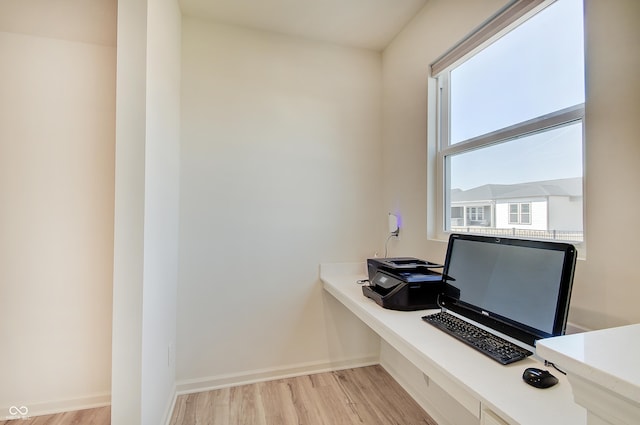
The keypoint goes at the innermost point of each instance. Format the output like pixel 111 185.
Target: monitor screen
pixel 519 287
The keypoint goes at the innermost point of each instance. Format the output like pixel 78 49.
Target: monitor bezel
pixel 505 325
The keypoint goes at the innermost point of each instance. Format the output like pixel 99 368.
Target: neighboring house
pixel 549 206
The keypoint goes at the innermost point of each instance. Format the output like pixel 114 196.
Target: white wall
pixel 128 262
pixel 605 287
pixel 162 184
pixel 57 109
pixel 280 171
pixel 539 214
pixel 567 213
pixel 407 164
pixel 147 208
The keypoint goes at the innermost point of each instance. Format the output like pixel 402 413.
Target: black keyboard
pixel 487 343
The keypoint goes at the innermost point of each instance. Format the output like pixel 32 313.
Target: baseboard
pixel 190 386
pixel 57 406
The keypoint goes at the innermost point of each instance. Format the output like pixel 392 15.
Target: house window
pixel 520 213
pixel 457 216
pixel 475 214
pixel 514 214
pixel 525 213
pixel 510 112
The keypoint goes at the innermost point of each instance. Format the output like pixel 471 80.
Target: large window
pixel 511 113
pixel 520 213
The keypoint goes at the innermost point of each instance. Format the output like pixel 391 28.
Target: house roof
pixel 571 187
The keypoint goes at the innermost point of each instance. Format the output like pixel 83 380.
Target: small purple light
pixel 399 217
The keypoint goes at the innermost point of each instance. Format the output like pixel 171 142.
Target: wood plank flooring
pixel 98 416
pixel 363 396
pixel 367 395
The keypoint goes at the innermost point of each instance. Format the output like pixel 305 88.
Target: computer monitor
pixel 521 288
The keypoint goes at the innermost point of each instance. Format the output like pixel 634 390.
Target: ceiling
pixel 370 24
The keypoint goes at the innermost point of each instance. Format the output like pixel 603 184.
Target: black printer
pixel 403 283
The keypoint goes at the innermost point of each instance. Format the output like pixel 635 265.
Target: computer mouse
pixel 539 378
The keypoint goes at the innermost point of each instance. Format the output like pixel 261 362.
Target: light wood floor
pixel 99 416
pixel 363 396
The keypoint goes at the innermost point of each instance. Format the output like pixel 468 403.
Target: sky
pixel 544 73
pixel 554 154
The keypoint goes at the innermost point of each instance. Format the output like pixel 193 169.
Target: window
pixel 520 213
pixel 510 121
pixel 457 217
pixel 475 213
pixel 525 213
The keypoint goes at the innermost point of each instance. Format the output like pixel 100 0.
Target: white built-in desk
pixel 493 393
pixel 604 370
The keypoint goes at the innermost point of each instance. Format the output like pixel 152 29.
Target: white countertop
pixel 498 387
pixel 608 357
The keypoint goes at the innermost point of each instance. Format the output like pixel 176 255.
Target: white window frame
pixel 528 213
pixel 475 213
pixel 516 213
pixel 515 13
pixel 519 213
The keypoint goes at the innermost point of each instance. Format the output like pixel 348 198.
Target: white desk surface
pixel 592 355
pixel 498 387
